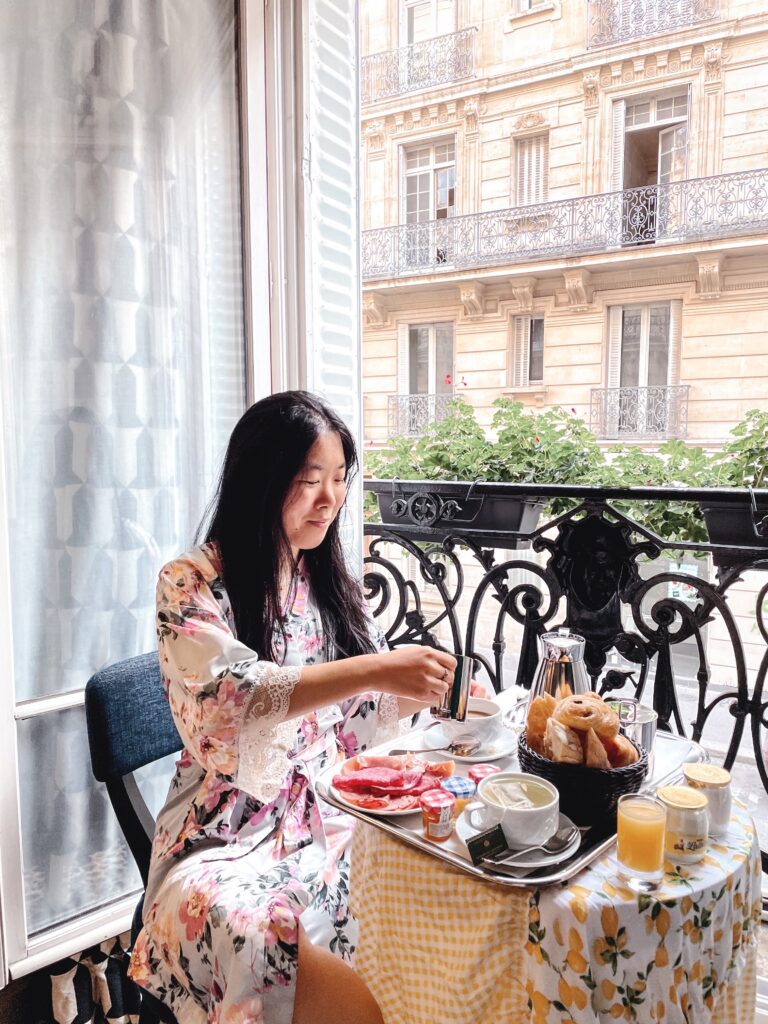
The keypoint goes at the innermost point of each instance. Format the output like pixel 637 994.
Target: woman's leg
pixel 328 991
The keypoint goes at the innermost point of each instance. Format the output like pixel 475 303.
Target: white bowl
pixel 484 724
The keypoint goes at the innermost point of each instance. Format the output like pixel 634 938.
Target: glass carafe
pixel 561 670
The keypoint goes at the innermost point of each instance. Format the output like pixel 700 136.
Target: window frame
pixel 519 352
pixel 433 167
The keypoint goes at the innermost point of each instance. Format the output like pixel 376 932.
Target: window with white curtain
pixel 123 356
pixel 526 352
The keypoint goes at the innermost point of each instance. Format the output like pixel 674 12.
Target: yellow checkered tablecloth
pixel 438 946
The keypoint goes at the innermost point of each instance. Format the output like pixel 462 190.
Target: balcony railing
pixel 412 414
pixel 716 207
pixel 651 412
pixel 661 622
pixel 434 62
pixel 619 21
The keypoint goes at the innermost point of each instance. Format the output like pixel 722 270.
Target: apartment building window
pixel 425 19
pixel 429 185
pixel 428 198
pixel 425 374
pixel 521 6
pixel 643 367
pixel 531 170
pixel 526 361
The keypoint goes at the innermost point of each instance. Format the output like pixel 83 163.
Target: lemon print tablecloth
pixel 438 946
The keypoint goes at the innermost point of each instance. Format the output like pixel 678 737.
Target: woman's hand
pixel 422 674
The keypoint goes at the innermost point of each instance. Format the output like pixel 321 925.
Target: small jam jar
pixel 479 771
pixel 686 836
pixel 715 783
pixel 463 789
pixel 437 812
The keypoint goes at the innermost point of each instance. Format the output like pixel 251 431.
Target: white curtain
pixel 123 365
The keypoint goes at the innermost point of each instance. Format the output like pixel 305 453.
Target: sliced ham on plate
pixel 391 783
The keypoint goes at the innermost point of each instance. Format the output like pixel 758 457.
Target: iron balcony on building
pixel 619 21
pixel 658 411
pixel 716 207
pixel 424 65
pixel 412 414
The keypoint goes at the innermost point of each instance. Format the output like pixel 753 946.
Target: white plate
pixel 530 860
pixel 504 745
pixel 375 811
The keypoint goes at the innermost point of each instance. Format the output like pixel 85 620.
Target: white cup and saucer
pixel 484 723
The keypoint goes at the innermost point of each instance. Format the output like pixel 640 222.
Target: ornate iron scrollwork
pixel 425 508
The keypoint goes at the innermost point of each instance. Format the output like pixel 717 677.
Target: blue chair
pixel 130 725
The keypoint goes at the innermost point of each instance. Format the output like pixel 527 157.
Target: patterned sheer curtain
pixel 123 369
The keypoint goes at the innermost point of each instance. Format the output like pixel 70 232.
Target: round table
pixel 438 945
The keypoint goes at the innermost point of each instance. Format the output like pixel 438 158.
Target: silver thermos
pixel 455 700
pixel 561 670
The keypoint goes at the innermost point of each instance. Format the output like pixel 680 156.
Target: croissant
pixel 595 755
pixel 562 744
pixel 620 750
pixel 539 712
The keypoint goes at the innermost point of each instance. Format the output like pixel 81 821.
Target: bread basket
pixel 589 796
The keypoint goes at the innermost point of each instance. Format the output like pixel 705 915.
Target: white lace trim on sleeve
pixel 387 727
pixel 266 738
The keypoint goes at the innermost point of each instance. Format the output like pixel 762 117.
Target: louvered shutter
pixel 532 170
pixel 403 360
pixel 332 267
pixel 617 166
pixel 611 402
pixel 518 363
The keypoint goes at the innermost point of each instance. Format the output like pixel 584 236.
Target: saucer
pixel 502 746
pixel 529 861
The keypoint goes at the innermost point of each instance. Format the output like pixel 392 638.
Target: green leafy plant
pixel 556 447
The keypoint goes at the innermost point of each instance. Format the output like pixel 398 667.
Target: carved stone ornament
pixel 591 85
pixel 534 119
pixel 577 286
pixel 713 63
pixel 522 289
pixel 471 115
pixel 374 135
pixel 471 296
pixel 710 276
pixel 374 310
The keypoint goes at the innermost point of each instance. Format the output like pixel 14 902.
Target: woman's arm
pixel 417 676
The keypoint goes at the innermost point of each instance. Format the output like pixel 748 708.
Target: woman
pixel 273 671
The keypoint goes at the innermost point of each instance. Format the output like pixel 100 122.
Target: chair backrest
pixel 129 725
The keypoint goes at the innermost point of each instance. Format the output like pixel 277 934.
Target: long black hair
pixel 267 449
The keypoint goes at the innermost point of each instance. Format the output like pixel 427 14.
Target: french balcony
pixel 658 411
pixel 717 207
pixel 621 21
pixel 412 414
pixel 425 65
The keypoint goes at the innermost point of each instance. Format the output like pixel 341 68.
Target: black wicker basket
pixel 589 796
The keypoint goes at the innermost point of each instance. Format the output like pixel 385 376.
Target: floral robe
pixel 243 847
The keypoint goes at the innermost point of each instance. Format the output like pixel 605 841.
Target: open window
pixel 649 154
pixel 428 198
pixel 425 373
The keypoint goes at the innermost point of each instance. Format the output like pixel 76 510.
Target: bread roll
pixel 586 711
pixel 561 744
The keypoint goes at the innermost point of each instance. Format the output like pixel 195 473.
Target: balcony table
pixel 439 945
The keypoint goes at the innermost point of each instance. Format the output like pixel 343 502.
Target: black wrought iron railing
pixel 667 619
pixel 620 21
pixel 720 206
pixel 424 65
pixel 658 411
pixel 412 414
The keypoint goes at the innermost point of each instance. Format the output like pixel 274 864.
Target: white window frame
pixel 433 167
pixel 291 337
pixel 519 352
pixel 615 320
pixel 404 356
pixel 405 5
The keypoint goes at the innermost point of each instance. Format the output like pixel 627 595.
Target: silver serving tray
pixel 671 753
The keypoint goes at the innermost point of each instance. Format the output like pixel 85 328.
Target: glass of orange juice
pixel 640 826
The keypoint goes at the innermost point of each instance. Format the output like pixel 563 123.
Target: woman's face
pixel 316 495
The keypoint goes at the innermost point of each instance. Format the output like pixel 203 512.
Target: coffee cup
pixel 526 806
pixel 483 721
